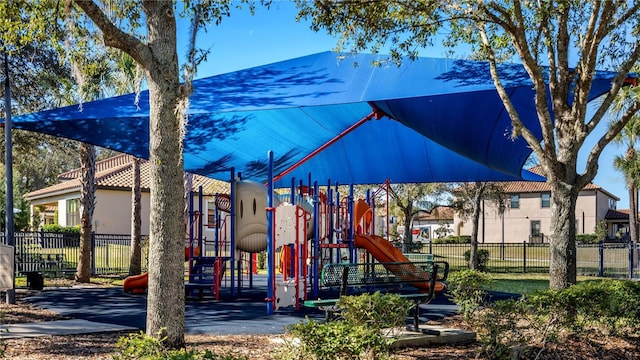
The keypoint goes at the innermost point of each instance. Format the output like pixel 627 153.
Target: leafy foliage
pixel 410 199
pixel 613 304
pixel 336 340
pixel 140 346
pixel 262 260
pixel 357 335
pixel 559 43
pixel 375 310
pixel 61 229
pixel 507 329
pixel 456 239
pixel 588 238
pixel 483 258
pixel 469 199
pixel 468 289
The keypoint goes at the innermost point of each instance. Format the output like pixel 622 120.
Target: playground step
pixel 447 336
pixel 205 260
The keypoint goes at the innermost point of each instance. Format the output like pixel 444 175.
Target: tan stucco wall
pixel 517 222
pixel 112 214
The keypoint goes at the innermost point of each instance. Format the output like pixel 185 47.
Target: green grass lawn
pixel 526 283
pixel 519 283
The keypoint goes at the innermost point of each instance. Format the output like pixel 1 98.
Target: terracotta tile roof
pixel 117 173
pixel 541 186
pixel 102 165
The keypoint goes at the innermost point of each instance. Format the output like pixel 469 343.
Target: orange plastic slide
pixel 384 251
pixel 136 284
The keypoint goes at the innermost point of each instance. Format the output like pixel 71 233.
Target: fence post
pixel 630 259
pixel 524 256
pixel 601 258
pixel 431 247
pixel 93 253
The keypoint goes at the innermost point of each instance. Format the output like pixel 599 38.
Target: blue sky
pixel 272 35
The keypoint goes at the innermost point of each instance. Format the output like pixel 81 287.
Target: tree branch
pixel 519 127
pixel 617 83
pixel 625 17
pixel 518 36
pixel 594 154
pixel 114 37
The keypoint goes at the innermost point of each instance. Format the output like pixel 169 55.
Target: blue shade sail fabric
pixel 444 121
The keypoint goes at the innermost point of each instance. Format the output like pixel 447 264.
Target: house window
pixel 73 212
pixel 545 200
pixel 211 215
pixel 515 201
pixel 612 204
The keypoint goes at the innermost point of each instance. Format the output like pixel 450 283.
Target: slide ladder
pixel 206 275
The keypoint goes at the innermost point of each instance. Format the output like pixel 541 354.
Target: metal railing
pixel 52 252
pixel 618 260
pixel 110 255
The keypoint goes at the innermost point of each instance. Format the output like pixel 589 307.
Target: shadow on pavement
pixel 246 314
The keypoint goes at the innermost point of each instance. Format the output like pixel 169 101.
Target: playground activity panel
pixel 316 233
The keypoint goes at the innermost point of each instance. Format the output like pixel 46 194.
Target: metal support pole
pixel 315 265
pixel 502 236
pixel 524 257
pixel 8 163
pixel 232 250
pixel 271 257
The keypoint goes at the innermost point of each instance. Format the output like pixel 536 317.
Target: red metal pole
pixel 375 113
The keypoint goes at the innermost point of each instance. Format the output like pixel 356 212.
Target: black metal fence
pixel 619 260
pixel 56 254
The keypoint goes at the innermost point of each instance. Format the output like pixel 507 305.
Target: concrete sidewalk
pixel 55 328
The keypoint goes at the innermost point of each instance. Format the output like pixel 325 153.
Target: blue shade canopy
pixel 442 121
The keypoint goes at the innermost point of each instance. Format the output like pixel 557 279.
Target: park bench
pixel 33 265
pixel 28 262
pixel 390 276
pixel 55 266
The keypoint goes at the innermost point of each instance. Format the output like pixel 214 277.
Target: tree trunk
pixel 633 224
pixel 408 235
pixel 477 201
pixel 87 204
pixel 562 265
pixel 135 263
pixel 165 301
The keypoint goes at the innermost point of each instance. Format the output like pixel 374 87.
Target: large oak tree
pixel 146 30
pixel 559 43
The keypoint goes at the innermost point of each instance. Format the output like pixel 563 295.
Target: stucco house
pixel 60 203
pixel 528 214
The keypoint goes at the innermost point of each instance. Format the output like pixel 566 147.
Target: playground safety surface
pixel 95 309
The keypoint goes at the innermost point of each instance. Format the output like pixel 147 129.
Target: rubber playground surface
pixel 245 314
